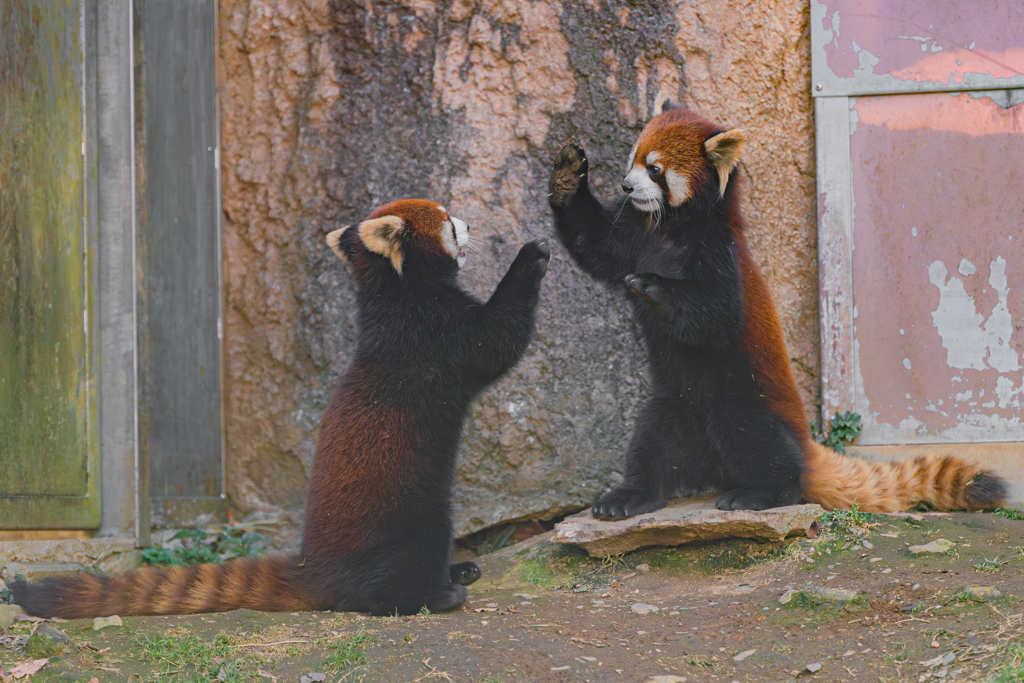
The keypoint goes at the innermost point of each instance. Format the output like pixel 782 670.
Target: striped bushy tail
pixel 268 583
pixel 944 482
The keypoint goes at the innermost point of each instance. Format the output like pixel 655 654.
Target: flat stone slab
pixel 982 593
pixel 938 546
pixel 684 520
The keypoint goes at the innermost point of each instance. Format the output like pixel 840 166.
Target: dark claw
pixel 464 573
pixel 623 503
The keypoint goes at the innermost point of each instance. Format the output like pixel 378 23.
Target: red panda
pixel 377 534
pixel 725 413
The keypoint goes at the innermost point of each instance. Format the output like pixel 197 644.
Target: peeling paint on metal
pixel 938 341
pixel 874 46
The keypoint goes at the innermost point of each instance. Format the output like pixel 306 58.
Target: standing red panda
pixel 725 413
pixel 377 535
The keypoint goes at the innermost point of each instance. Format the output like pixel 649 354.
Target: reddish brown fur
pixel 831 479
pixel 373 447
pixel 678 136
pixel 261 584
pixel 426 216
pixel 377 535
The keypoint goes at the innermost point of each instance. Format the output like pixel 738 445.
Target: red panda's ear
pixel 340 242
pixel 724 151
pixel 384 236
pixel 663 103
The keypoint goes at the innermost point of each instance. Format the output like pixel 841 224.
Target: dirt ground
pixel 544 612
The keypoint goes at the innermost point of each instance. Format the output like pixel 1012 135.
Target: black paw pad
pixel 623 503
pixel 464 573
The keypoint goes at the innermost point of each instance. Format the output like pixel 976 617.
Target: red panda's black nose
pixel 628 189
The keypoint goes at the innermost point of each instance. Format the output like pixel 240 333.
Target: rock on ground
pixel 684 520
pixel 982 593
pixel 939 545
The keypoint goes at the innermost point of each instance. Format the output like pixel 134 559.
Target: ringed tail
pixel 269 583
pixel 944 482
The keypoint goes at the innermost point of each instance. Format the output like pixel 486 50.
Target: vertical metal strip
pixel 835 254
pixel 220 256
pixel 141 519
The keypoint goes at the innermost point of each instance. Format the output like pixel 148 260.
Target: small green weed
pixel 424 611
pixel 349 650
pixel 199 546
pixel 842 429
pixel 700 661
pixel 1010 513
pixel 989 566
pixel 842 519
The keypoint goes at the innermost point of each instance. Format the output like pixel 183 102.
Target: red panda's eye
pixel 653 170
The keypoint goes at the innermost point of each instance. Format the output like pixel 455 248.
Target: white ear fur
pixel 384 236
pixel 662 102
pixel 724 150
pixel 333 237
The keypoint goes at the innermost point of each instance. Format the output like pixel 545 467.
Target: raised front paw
pixel 645 286
pixel 464 573
pixel 625 502
pixel 533 259
pixel 570 168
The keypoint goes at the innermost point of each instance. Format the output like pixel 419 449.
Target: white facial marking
pixel 455 234
pixel 652 157
pixel 646 194
pixel 678 187
pixel 632 155
pixel 441 209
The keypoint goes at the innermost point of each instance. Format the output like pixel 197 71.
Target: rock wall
pixel 331 109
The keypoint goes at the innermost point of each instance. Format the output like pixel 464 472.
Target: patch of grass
pixel 184 659
pixel 1010 513
pixel 700 661
pixel 842 429
pixel 1012 670
pixel 201 546
pixel 989 566
pixel 713 558
pixel 553 565
pixel 349 651
pixel 842 520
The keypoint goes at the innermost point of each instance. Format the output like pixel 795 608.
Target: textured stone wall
pixel 331 109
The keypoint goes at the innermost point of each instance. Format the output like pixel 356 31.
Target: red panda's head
pixel 394 229
pixel 678 155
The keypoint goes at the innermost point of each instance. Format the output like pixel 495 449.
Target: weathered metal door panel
pixel 938 266
pixel 919 108
pixel 179 249
pixel 48 437
pixel 902 46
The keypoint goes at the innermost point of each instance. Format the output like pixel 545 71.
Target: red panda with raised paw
pixel 725 413
pixel 377 535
